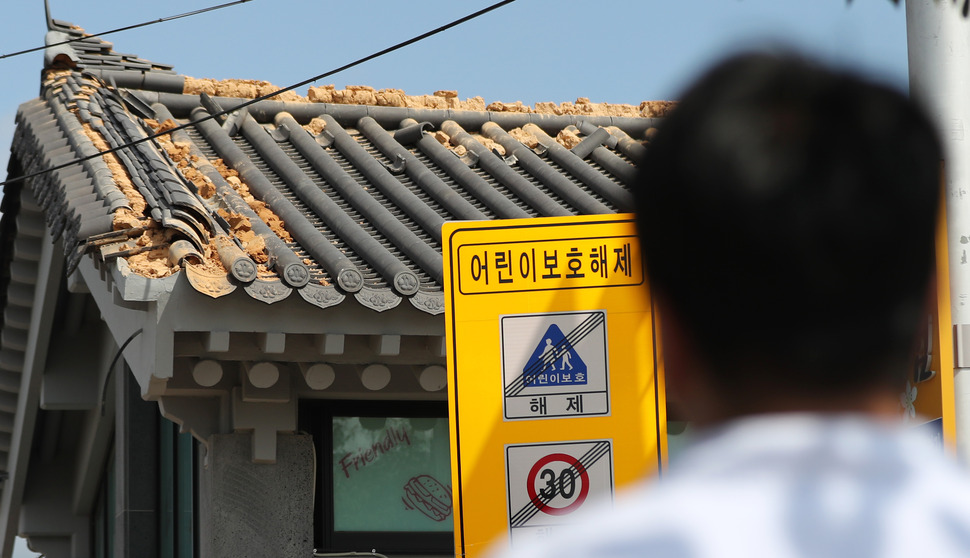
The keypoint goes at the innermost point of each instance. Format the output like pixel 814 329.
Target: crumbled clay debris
pixel 656 109
pixel 316 126
pixel 244 88
pixel 54 79
pixel 445 140
pixel 262 210
pixel 461 150
pixel 181 154
pixel 125 218
pixel 161 126
pixel 645 140
pixel 85 92
pixel 524 137
pixel 448 99
pixel 241 228
pixel 472 103
pixel 153 263
pixel 366 95
pixel 211 263
pixel 441 99
pixel 583 106
pixel 150 263
pixel 118 172
pixel 489 144
pixel 568 138
pixel 517 106
pixel 52 74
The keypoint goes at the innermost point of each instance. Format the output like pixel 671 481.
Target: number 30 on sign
pixel 548 483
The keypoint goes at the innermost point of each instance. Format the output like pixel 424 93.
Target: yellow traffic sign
pixel 555 386
pixel 932 401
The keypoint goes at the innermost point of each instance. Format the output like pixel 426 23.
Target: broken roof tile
pixel 342 193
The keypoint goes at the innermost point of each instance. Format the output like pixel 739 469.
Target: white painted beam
pixel 385 345
pixel 216 341
pixel 272 342
pixel 265 420
pixel 330 344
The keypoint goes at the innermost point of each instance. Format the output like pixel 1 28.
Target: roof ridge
pixel 442 99
pixel 70 47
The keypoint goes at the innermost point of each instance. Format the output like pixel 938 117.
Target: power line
pixel 126 28
pixel 251 102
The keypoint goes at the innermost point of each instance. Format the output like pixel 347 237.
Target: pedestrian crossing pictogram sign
pixel 545 369
pixel 547 484
pixel 555 389
pixel 554 362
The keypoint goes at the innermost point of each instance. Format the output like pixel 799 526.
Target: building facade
pixel 227 340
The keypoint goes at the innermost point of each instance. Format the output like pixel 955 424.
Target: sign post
pixel 555 388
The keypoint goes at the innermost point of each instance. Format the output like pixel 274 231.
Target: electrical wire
pixel 126 28
pixel 111 367
pixel 251 102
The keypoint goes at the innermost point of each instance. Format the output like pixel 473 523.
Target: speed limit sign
pixel 548 483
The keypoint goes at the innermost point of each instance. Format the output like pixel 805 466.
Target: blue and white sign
pixel 555 362
pixel 554 365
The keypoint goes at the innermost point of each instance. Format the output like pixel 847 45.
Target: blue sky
pixel 621 51
pixel 532 50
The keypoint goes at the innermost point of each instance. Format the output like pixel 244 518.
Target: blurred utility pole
pixel 938 40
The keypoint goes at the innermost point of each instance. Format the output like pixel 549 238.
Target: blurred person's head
pixel 787 215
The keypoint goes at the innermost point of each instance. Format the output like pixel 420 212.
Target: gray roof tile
pixel 362 202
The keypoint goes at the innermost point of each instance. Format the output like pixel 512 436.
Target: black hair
pixel 787 214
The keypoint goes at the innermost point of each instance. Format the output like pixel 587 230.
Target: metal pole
pixel 938 40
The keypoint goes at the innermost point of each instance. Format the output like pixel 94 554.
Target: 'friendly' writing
pixel 393 437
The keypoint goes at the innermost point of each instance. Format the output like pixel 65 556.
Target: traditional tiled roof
pixel 323 199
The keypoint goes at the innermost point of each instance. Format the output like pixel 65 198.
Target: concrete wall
pixel 256 509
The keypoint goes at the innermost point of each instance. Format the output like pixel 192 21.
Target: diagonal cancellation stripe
pixel 540 502
pixel 532 371
pixel 580 466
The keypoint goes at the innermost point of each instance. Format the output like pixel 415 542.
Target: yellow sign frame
pixel 585 274
pixel 936 400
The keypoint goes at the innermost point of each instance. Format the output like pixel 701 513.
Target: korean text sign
pixel 555 386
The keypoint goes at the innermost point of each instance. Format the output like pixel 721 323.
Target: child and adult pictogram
pixel 554 365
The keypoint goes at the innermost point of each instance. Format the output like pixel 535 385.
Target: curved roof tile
pixel 348 205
